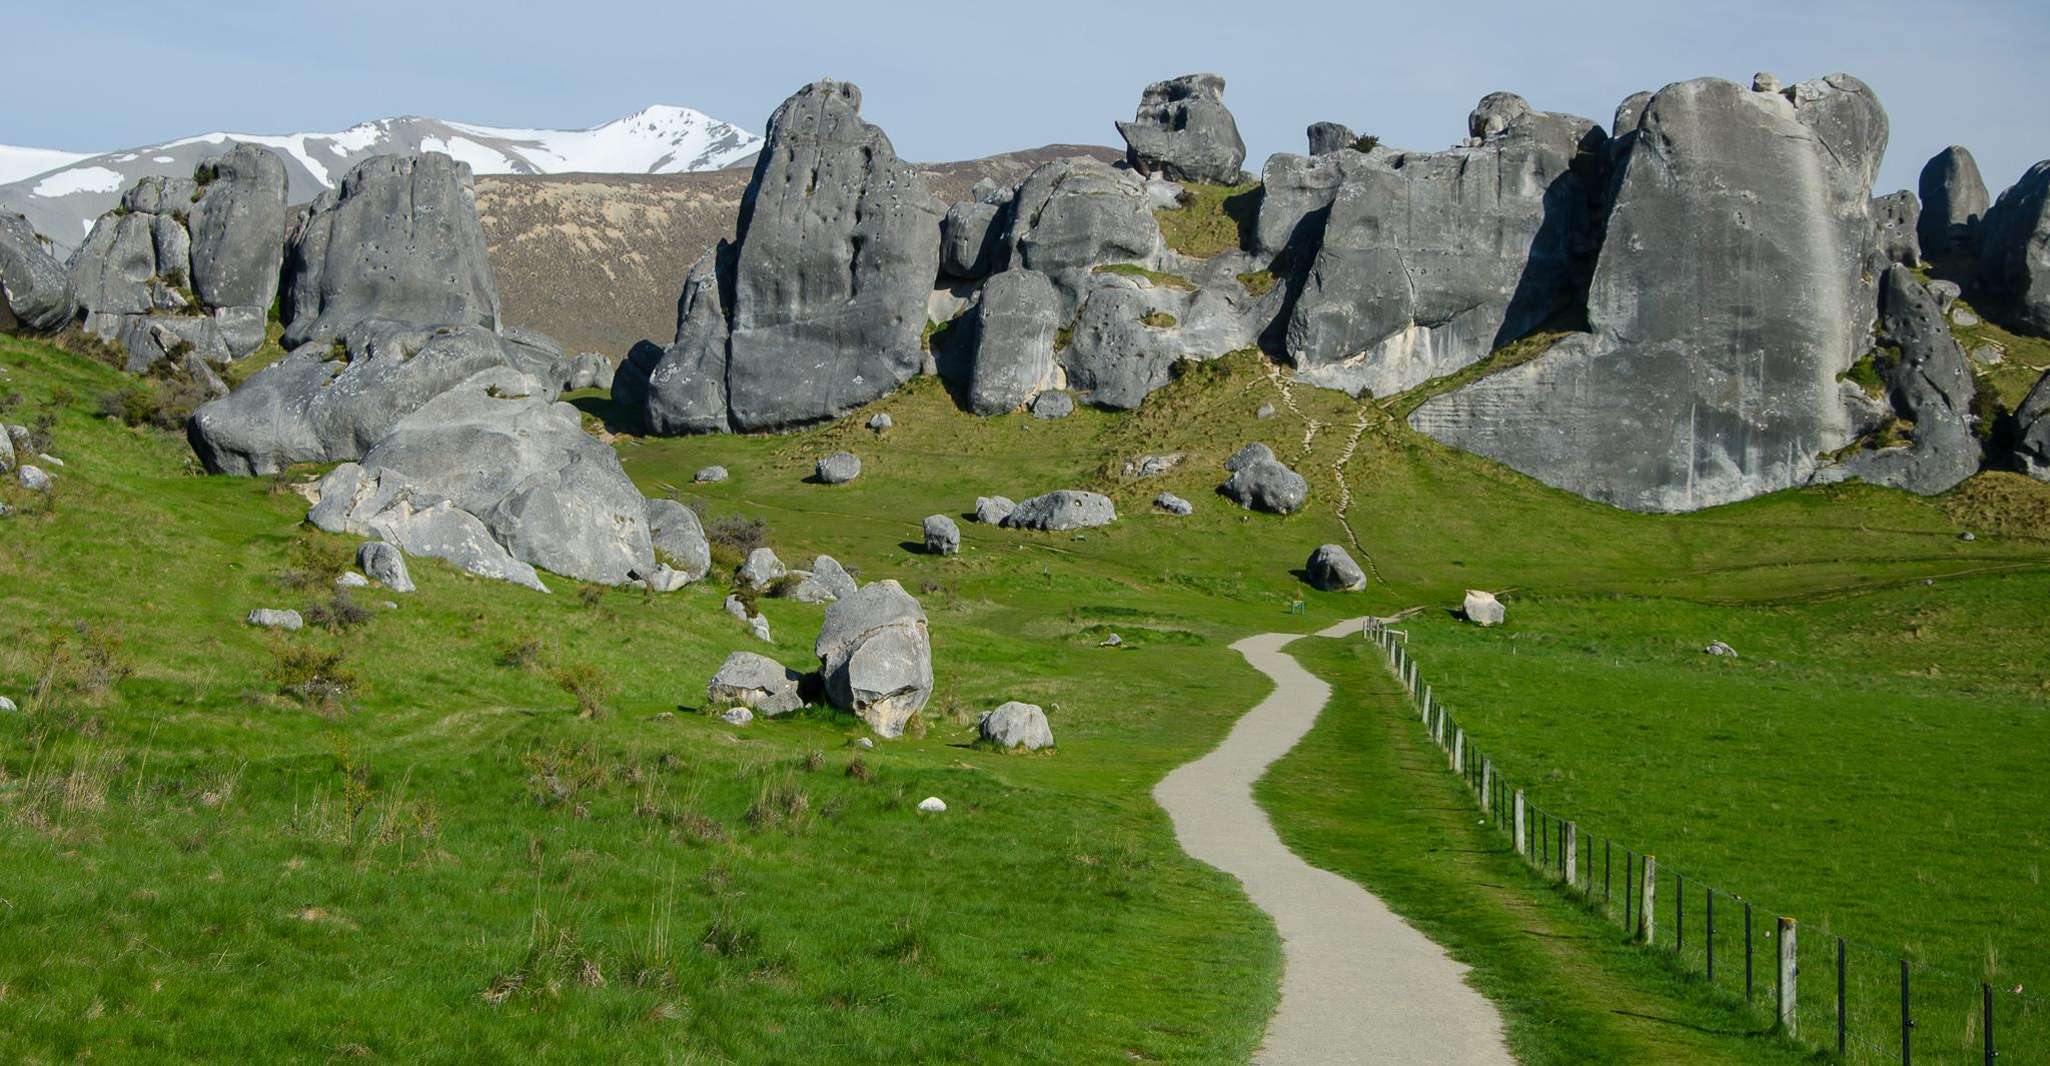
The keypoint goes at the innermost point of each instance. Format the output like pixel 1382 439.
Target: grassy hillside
pixel 429 849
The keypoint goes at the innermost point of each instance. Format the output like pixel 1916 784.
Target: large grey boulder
pixel 836 253
pixel 1183 132
pixel 825 582
pixel 497 448
pixel 1929 386
pixel 837 468
pixel 1954 199
pixel 942 535
pixel 1431 260
pixel 757 682
pixel 1711 371
pixel 443 531
pixel 1296 193
pixel 1266 485
pixel 35 289
pixel 970 239
pixel 678 538
pixel 1013 356
pixel 2014 253
pixel 1331 568
pixel 761 569
pixel 1247 455
pixel 238 230
pixel 2032 431
pixel 684 390
pixel 385 564
pixel 992 510
pixel 876 656
pixel 1895 220
pixel 1483 609
pixel 588 370
pixel 1015 725
pixel 330 400
pixel 398 239
pixel 1073 215
pixel 1328 137
pixel 1063 510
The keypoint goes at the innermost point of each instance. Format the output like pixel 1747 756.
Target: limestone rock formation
pixel 819 305
pixel 838 468
pixel 1896 219
pixel 1328 137
pixel 498 449
pixel 1954 199
pixel 1174 505
pixel 330 400
pixel 1332 569
pixel 187 265
pixel 761 569
pixel 1711 371
pixel 35 289
pixel 398 239
pixel 385 564
pixel 1428 261
pixel 2032 432
pixel 876 656
pixel 992 510
pixel 757 682
pixel 1063 510
pixel 1929 385
pixel 588 370
pixel 2014 253
pixel 825 582
pixel 1183 132
pixel 1013 356
pixel 1052 404
pixel 1071 216
pixel 1015 725
pixel 1482 608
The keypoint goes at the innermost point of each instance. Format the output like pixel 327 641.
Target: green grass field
pixel 446 861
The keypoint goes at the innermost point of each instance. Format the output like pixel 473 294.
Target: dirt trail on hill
pixel 1358 984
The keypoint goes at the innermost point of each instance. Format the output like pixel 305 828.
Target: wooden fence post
pixel 1522 827
pixel 1458 748
pixel 1790 971
pixel 1647 911
pixel 1572 854
pixel 1488 784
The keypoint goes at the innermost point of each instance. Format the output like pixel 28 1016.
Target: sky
pixel 960 80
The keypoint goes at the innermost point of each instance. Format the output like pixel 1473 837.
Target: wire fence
pixel 1858 1002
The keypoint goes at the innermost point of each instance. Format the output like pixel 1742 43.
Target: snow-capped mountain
pixel 63 198
pixel 18 163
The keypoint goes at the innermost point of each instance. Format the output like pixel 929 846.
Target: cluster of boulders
pixel 1261 482
pixel 1715 261
pixel 26 458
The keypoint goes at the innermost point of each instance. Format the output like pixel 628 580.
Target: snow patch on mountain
pixel 17 163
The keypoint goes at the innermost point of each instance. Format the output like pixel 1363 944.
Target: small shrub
pixel 1365 142
pixel 317 562
pixel 522 654
pixel 783 586
pixel 315 676
pixel 1158 320
pixel 860 771
pixel 590 596
pixel 338 613
pixel 337 352
pixel 586 684
pixel 1258 282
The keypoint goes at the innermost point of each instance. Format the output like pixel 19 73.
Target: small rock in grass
pixel 1173 504
pixel 759 626
pixel 755 681
pixel 665 578
pixel 1718 648
pixel 1483 609
pixel 863 743
pixel 272 618
pixel 992 510
pixel 1967 536
pixel 736 608
pixel 1986 355
pixel 50 459
pixel 7 706
pixel 736 716
pixel 33 479
pixel 1016 725
pixel 1962 318
pixel 881 421
pixel 942 536
pixel 1112 641
pixel 1266 411
pixel 1151 465
pixel 709 475
pixel 838 468
pixel 932 805
pixel 1053 404
pixel 350 579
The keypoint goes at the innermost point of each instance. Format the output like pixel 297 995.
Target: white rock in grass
pixel 932 805
pixel 272 618
pixel 1483 609
pixel 710 475
pixel 1720 649
pixel 759 626
pixel 737 716
pixel 33 479
pixel 1016 725
pixel 7 706
pixel 50 459
pixel 350 579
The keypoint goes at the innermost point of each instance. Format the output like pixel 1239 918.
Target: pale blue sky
pixel 964 79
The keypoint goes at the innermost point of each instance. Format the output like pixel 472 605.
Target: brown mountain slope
pixel 597 260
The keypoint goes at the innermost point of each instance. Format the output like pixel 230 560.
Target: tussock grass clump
pixel 316 676
pixel 587 684
pixel 336 614
pixel 1211 219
